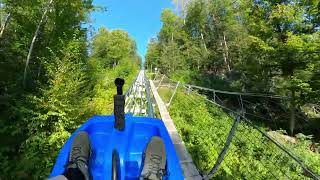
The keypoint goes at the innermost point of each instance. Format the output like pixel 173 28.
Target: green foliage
pixel 171 26
pixel 58 107
pixel 263 46
pixel 38 155
pixel 64 86
pixel 153 55
pixel 204 129
pixel 103 90
pixel 111 47
pixel 202 144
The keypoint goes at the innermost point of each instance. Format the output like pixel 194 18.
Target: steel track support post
pixel 175 90
pixel 149 101
pixel 242 109
pixel 155 77
pixel 225 149
pixel 189 90
pixel 160 82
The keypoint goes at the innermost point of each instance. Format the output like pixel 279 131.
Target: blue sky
pixel 140 18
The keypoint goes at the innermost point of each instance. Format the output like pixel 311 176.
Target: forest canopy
pixel 259 46
pixel 51 80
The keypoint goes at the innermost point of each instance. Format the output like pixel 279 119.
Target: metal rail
pixel 138 97
pixel 230 92
pixel 149 99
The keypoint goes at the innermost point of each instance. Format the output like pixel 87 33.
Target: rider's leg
pixel 154 160
pixel 77 167
pixel 60 177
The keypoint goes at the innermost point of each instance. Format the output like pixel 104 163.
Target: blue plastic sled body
pixel 130 145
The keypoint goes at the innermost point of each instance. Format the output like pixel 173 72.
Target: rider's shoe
pixel 79 154
pixel 154 160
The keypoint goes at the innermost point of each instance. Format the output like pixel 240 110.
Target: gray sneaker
pixel 154 160
pixel 79 153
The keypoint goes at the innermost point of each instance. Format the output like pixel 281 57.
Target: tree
pixel 255 46
pixel 38 117
pixel 286 30
pixel 34 40
pixel 112 47
pixel 153 54
pixel 172 24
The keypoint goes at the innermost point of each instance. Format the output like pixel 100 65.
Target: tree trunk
pixel 204 44
pixel 292 112
pixel 114 64
pixel 33 41
pixel 226 51
pixel 39 70
pixel 225 58
pixel 171 37
pixel 6 21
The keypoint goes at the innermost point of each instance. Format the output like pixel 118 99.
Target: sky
pixel 140 18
